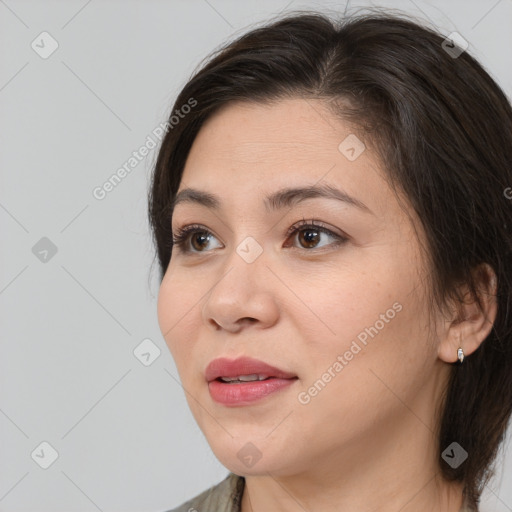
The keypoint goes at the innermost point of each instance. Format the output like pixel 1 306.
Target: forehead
pixel 248 150
pixel 285 129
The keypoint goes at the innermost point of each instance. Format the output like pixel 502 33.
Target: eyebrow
pixel 283 198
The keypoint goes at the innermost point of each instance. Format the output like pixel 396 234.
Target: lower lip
pixel 245 392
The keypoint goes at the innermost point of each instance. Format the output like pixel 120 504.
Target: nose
pixel 244 295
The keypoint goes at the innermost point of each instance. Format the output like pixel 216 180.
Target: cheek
pixel 166 307
pixel 366 312
pixel 175 302
pixel 341 302
pixel 353 379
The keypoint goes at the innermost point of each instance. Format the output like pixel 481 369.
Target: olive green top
pixel 226 496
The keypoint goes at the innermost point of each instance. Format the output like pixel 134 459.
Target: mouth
pixel 244 380
pixel 243 369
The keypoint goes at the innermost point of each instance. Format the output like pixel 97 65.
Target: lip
pixel 223 367
pixel 244 393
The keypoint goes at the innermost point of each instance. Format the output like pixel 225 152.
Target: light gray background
pixel 125 437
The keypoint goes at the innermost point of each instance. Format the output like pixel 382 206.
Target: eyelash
pixel 180 238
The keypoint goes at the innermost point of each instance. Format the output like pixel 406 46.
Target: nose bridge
pixel 243 289
pixel 246 265
pixel 249 250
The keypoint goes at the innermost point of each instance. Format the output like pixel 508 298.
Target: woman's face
pixel 342 310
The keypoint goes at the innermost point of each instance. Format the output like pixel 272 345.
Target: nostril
pixel 247 319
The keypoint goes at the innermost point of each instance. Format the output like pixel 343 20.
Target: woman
pixel 332 222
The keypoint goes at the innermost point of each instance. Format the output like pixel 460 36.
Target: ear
pixel 468 326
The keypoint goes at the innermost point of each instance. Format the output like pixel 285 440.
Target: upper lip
pixel 223 367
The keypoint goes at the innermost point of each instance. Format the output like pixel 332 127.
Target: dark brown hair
pixel 443 131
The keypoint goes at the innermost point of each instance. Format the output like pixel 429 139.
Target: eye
pixel 199 236
pixel 309 236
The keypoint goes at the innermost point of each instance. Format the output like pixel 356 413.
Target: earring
pixel 460 355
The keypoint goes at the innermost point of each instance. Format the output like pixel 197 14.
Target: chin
pixel 249 457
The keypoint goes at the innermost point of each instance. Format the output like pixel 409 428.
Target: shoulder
pixel 223 497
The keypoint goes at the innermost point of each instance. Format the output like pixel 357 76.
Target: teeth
pixel 245 378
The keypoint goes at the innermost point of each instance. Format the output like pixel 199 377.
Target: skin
pixel 366 441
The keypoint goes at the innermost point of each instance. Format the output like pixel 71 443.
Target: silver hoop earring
pixel 460 355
